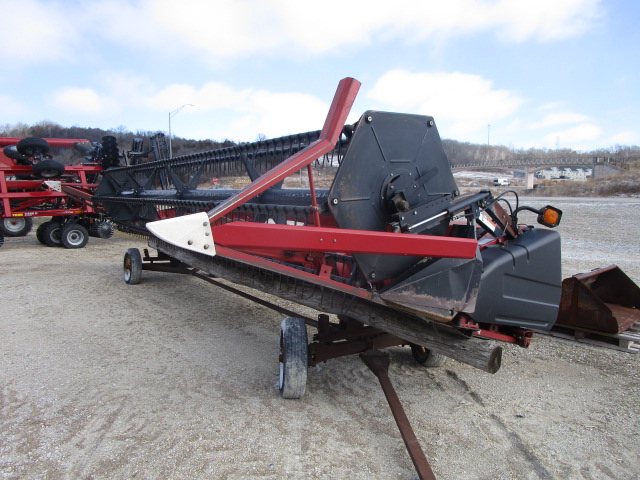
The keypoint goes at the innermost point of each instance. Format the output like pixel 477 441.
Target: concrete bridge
pixel 601 166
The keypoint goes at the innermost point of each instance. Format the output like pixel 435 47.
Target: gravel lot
pixel 175 379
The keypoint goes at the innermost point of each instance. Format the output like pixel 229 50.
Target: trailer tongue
pixel 391 248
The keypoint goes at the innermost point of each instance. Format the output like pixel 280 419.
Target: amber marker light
pixel 549 216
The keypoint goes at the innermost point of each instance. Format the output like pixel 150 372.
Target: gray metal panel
pixel 521 281
pixel 388 152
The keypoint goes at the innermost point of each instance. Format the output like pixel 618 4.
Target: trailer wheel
pixel 32 146
pixel 40 231
pixel 48 169
pixel 294 361
pixel 132 266
pixel 11 152
pixel 52 234
pixel 16 226
pixel 426 357
pixel 74 235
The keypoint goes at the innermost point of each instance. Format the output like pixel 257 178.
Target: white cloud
pixel 210 97
pixel 626 138
pixel 579 133
pixel 249 112
pixel 468 102
pixel 229 27
pixel 276 114
pixel 544 20
pixel 560 119
pixel 44 31
pixel 83 101
pixel 36 32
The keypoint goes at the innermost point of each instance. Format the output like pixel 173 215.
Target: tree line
pixel 457 152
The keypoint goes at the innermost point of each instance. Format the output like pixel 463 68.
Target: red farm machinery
pixel 34 184
pixel 391 254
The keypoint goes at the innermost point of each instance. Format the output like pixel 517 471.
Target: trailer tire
pixel 293 361
pixel 16 226
pixel 11 152
pixel 40 231
pixel 52 234
pixel 32 146
pixel 74 235
pixel 426 357
pixel 1 239
pixel 48 169
pixel 132 266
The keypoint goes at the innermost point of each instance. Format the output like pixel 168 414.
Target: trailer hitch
pixel 378 362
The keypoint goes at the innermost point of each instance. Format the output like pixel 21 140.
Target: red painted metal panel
pixel 241 235
pixel 53 142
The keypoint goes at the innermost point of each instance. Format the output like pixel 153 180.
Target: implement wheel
pixel 132 266
pixel 16 226
pixel 426 357
pixel 48 169
pixel 294 361
pixel 32 146
pixel 74 235
pixel 52 234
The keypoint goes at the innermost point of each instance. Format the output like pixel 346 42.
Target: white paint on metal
pixel 54 185
pixel 191 232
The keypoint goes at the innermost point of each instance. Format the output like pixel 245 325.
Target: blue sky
pixel 544 73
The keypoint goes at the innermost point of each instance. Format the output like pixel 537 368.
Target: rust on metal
pixel 605 300
pixel 378 362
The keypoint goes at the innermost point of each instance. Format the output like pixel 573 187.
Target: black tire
pixel 52 234
pixel 48 169
pixel 74 235
pixel 1 239
pixel 293 361
pixel 16 226
pixel 40 231
pixel 32 146
pixel 426 357
pixel 132 266
pixel 11 152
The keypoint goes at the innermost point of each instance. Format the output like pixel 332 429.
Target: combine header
pixel 392 248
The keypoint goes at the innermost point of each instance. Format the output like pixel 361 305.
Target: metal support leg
pixel 378 362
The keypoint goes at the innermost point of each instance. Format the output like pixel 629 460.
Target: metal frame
pixel 66 196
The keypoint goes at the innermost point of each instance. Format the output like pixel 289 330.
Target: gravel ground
pixel 175 379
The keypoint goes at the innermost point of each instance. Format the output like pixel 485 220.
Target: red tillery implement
pixel 392 249
pixel 33 184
